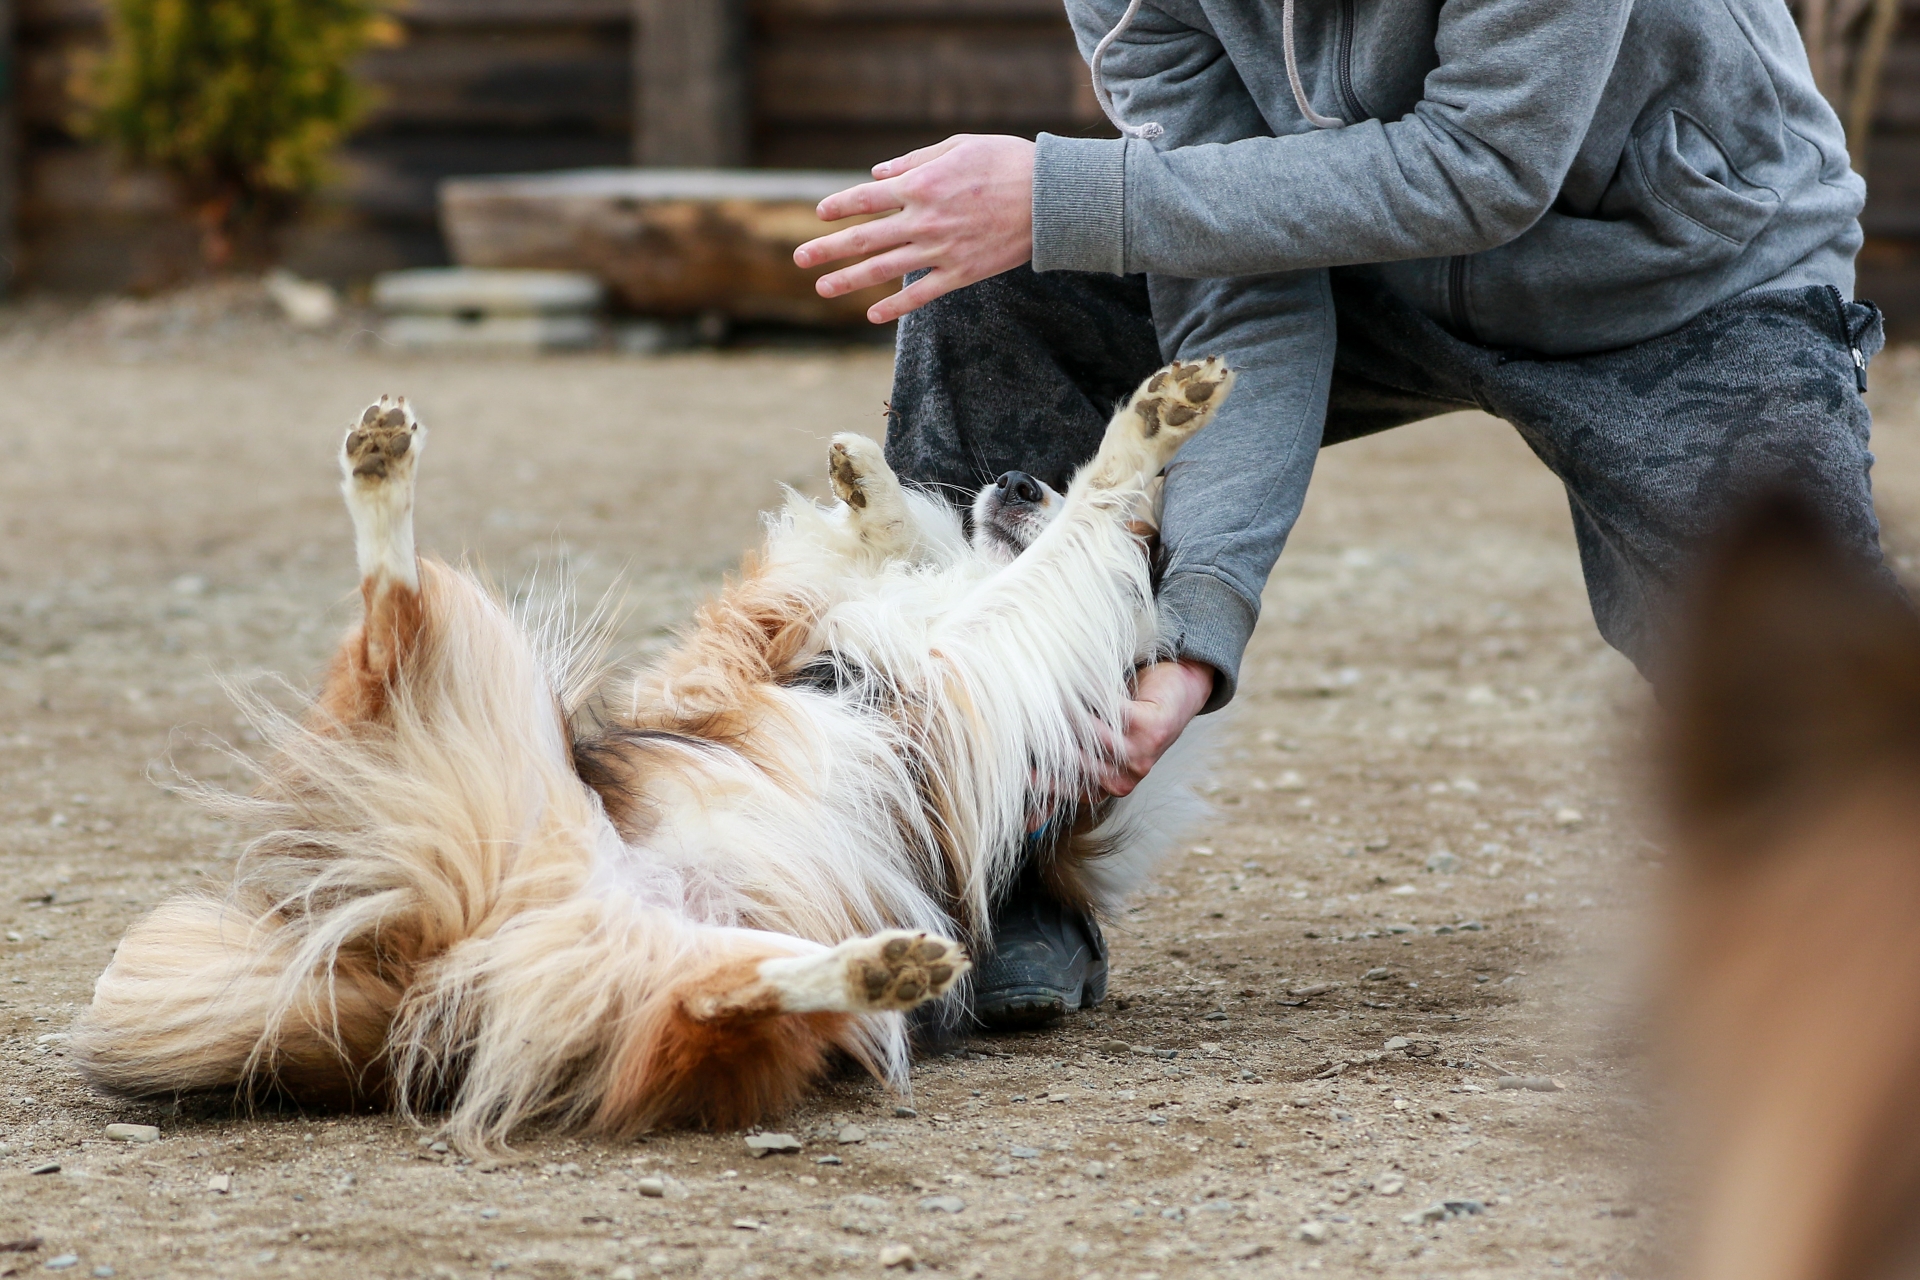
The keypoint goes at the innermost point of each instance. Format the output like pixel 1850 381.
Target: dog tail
pixel 372 846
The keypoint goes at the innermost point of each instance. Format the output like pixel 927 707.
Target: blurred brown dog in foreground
pixel 1793 999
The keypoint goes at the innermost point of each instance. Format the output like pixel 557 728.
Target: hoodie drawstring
pixel 1314 118
pixel 1152 129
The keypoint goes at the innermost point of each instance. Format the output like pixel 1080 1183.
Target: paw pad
pixel 383 436
pixel 906 969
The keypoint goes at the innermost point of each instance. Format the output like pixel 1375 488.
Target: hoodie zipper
pixel 1350 103
pixel 1853 343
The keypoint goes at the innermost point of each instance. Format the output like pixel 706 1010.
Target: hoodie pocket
pixel 1687 171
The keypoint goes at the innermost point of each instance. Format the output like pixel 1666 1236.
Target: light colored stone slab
pixel 489 292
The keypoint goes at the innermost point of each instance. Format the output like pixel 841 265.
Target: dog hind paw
pixel 898 970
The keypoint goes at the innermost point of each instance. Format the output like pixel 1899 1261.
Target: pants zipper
pixel 1350 103
pixel 1846 336
pixel 1457 295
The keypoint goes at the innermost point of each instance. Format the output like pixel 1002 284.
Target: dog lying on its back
pixel 457 894
pixel 1793 997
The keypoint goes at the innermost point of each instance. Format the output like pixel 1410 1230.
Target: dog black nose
pixel 1019 486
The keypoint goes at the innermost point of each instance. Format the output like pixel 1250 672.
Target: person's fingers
pixel 855 242
pixel 868 197
pixel 876 270
pixel 914 159
pixel 918 294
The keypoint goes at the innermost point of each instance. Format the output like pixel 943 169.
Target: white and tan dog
pixel 462 893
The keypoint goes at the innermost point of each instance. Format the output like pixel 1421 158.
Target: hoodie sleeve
pixel 1471 167
pixel 1234 491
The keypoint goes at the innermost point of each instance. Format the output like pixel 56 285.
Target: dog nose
pixel 1020 486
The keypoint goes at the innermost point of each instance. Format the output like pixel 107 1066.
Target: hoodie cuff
pixel 1079 204
pixel 1202 619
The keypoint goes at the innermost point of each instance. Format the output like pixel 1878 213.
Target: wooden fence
pixel 509 86
pixel 514 86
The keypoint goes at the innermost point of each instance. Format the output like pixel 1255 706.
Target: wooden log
pixel 668 242
pixel 690 83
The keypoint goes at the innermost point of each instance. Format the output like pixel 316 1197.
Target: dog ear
pixel 1797 668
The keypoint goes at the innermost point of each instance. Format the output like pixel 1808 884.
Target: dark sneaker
pixel 1047 960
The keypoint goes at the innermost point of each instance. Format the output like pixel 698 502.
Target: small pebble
pixel 943 1204
pixel 220 1184
pixel 850 1134
pixel 102 1272
pixel 898 1255
pixel 1396 1044
pixel 1391 1185
pixel 766 1144
pixel 1025 1153
pixel 905 1113
pixel 1440 862
pixel 828 1160
pixel 51 1166
pixel 64 1261
pixel 1567 818
pixel 747 1224
pixel 1314 1232
pixel 133 1133
pixel 654 1187
pixel 1119 1048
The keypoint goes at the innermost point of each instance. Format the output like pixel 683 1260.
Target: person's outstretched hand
pixel 1166 698
pixel 962 208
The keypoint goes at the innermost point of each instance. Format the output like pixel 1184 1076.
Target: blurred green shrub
pixel 241 100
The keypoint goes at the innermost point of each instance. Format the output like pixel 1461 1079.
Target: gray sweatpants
pixel 1655 443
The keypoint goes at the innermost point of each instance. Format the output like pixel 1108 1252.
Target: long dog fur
pixel 459 893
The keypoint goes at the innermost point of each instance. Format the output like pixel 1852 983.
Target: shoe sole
pixel 1025 1008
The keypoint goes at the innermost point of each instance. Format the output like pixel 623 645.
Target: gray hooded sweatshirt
pixel 1550 176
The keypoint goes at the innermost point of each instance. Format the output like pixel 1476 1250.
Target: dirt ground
pixel 1427 868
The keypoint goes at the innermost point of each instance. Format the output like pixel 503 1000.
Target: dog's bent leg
pixel 378 460
pixel 876 505
pixel 746 1021
pixel 889 972
pixel 1166 412
pixel 1036 659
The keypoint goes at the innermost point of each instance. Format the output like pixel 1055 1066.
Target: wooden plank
pixel 536 78
pixel 690 79
pixel 668 242
pixel 775 11
pixel 983 79
pixel 35 14
pixel 1899 106
pixel 540 13
pixel 46 71
pixel 1893 187
pixel 840 146
pixel 394 177
pixel 57 13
